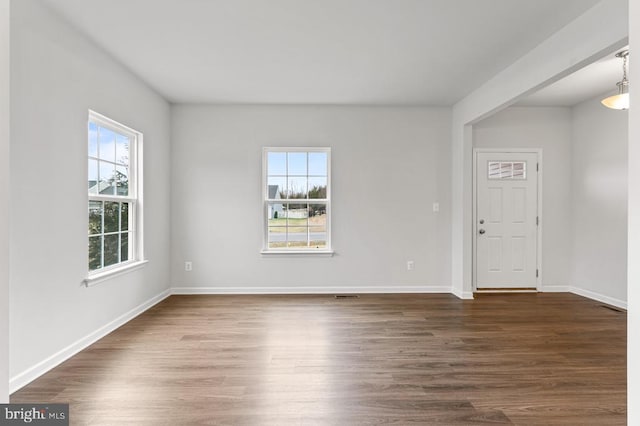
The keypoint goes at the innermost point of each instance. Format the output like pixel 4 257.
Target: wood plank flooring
pixel 526 359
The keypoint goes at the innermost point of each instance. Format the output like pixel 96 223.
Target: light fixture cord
pixel 624 67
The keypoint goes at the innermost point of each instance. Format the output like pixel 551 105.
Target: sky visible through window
pixel 297 173
pixel 108 161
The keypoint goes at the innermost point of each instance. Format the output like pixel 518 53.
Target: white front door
pixel 506 220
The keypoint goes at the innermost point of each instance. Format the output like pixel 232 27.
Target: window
pixel 297 199
pixel 507 170
pixel 113 152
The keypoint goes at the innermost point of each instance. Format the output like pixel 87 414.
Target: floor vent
pixel 346 296
pixel 611 308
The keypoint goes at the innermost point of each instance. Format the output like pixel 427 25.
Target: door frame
pixel 474 218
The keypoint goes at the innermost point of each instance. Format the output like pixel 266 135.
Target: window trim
pixel 328 251
pixel 135 200
pixel 112 272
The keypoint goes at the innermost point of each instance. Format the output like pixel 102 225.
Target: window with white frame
pixel 113 151
pixel 297 199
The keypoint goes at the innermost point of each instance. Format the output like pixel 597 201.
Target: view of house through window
pixel 112 192
pixel 297 198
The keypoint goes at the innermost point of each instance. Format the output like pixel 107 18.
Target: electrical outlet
pixel 410 265
pixel 188 266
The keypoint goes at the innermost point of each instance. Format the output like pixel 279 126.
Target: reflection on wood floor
pixel 527 359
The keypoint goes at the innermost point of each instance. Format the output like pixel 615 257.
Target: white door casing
pixel 506 220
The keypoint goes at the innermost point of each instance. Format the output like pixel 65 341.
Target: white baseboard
pixel 584 293
pixel 556 289
pixel 464 295
pixel 599 297
pixel 310 290
pixel 22 379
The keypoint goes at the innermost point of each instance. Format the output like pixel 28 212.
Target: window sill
pixel 99 277
pixel 298 253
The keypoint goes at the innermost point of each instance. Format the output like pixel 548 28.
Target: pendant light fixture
pixel 621 100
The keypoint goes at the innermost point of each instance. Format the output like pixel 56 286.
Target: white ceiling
pixel 427 52
pixel 596 79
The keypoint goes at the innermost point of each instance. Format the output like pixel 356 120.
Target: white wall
pixel 389 165
pixel 4 200
pixel 549 129
pixel 599 188
pixel 633 277
pixel 56 76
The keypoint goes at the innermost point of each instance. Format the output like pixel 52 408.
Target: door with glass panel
pixel 506 220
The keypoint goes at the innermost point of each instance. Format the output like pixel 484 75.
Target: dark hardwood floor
pixel 526 359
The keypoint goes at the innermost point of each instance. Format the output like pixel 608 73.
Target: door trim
pixel 474 218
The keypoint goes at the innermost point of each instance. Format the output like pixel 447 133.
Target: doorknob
pixel 482 231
